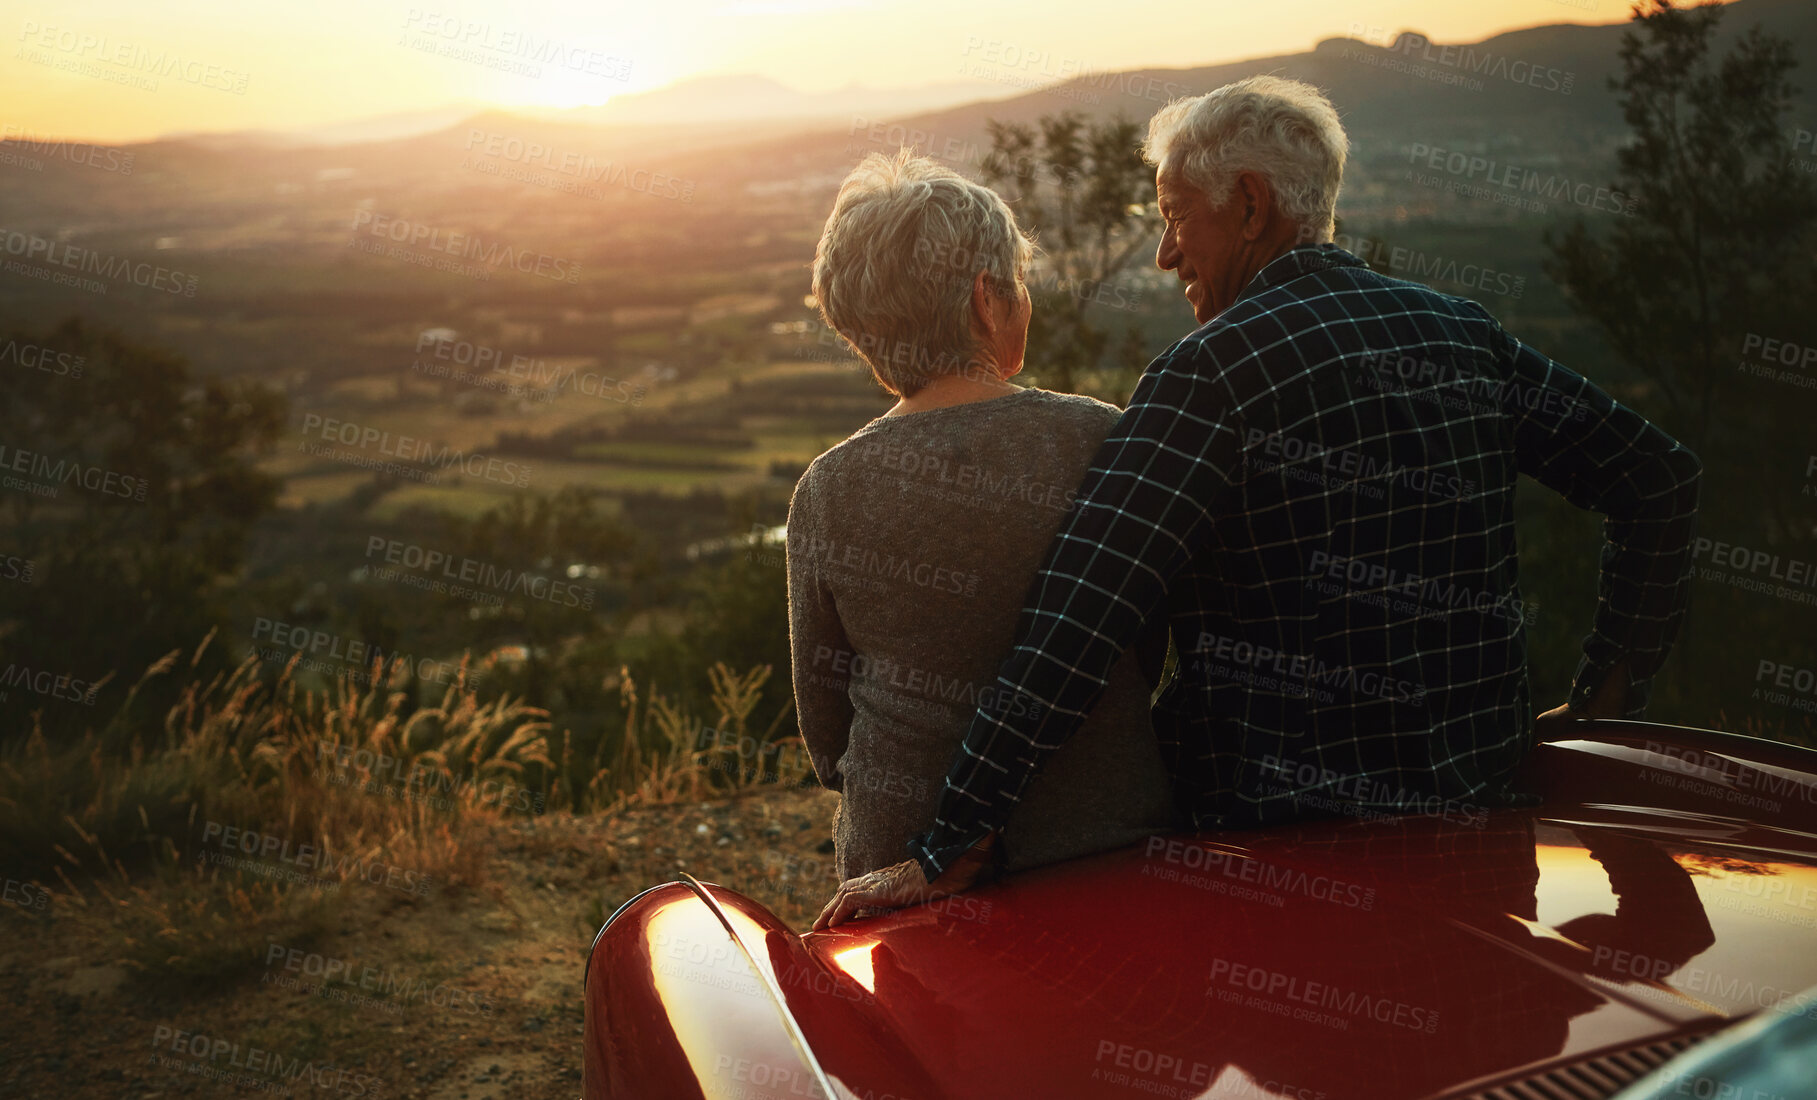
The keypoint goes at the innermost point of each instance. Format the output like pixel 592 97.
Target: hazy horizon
pixel 114 74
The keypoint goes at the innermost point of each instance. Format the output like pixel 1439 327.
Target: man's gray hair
pixel 1285 131
pixel 894 268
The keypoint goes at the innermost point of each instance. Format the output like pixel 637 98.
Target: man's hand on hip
pixel 1609 701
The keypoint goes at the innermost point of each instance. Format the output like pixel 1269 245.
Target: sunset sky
pixel 126 70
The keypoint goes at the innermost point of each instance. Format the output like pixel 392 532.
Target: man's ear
pixel 1258 204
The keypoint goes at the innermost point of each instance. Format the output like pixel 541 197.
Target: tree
pixel 1718 242
pixel 1715 252
pixel 132 489
pixel 560 563
pixel 1085 194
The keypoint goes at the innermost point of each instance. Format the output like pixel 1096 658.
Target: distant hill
pixel 723 104
pixel 712 99
pixel 391 127
pixel 1537 98
pixel 1541 87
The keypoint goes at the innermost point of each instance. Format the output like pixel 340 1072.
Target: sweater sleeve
pixel 820 656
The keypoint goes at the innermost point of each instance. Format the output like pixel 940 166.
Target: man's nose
pixel 1167 255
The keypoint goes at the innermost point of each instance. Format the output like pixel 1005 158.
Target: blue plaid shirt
pixel 1317 487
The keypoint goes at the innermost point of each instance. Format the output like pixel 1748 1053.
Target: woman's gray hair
pixel 894 268
pixel 1285 131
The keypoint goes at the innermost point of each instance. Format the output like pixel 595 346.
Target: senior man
pixel 1316 486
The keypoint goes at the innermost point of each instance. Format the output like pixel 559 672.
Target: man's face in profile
pixel 1199 243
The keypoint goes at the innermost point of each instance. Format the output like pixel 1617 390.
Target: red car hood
pixel 1403 957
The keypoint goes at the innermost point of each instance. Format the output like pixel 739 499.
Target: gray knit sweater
pixel 911 547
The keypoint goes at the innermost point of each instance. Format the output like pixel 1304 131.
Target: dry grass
pixel 666 755
pixel 238 823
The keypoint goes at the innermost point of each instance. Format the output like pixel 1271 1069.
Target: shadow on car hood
pixel 1401 957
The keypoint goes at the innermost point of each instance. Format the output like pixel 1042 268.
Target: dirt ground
pixel 469 996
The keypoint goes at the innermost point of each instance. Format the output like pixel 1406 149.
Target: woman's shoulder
pixel 1078 405
pixel 837 464
pixel 884 441
pixel 1031 402
pixel 1058 417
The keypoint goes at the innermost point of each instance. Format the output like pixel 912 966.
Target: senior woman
pixel 912 544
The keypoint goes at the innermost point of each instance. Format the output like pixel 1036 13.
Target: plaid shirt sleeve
pixel 1605 457
pixel 1155 481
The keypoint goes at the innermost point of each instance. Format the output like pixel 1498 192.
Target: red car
pixel 1666 889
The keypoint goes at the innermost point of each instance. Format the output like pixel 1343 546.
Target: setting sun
pixel 350 59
